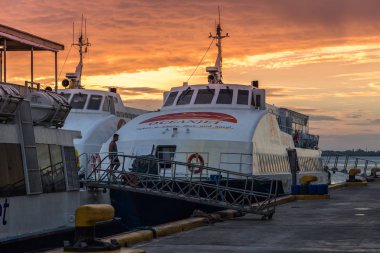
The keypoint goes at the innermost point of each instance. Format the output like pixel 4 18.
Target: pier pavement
pixel 348 222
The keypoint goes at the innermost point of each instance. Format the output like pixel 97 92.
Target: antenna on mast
pixel 215 72
pixel 219 13
pixel 75 78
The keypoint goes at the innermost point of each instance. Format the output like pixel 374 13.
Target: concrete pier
pixel 348 222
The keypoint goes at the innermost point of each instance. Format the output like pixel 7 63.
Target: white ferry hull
pixel 24 216
pixel 247 142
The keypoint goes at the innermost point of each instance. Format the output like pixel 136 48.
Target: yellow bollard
pixel 352 173
pixel 307 179
pixel 86 217
pixel 374 172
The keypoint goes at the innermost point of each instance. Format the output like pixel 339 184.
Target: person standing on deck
pixel 112 149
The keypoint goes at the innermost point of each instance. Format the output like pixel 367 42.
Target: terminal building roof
pixel 17 40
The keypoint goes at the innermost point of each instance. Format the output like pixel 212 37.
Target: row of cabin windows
pixel 51 160
pixel 206 96
pixel 78 101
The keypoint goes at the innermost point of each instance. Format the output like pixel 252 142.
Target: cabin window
pixel 204 96
pixel 12 180
pixel 225 96
pixel 51 168
pixel 171 98
pixel 242 98
pixel 78 101
pixel 256 101
pixel 109 105
pixel 165 153
pixel 66 95
pixel 94 102
pixel 115 100
pixel 106 104
pixel 185 97
pixel 71 168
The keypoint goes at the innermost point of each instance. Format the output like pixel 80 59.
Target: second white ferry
pixel 218 125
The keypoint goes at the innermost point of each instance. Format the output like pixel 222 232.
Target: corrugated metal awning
pixel 22 41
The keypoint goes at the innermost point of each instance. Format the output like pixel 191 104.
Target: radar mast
pixel 82 46
pixel 215 72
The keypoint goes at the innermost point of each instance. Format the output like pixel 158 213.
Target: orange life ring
pixel 95 161
pixel 199 158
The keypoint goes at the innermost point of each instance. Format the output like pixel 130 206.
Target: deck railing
pixel 205 185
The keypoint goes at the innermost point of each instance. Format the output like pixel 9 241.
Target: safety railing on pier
pixel 204 185
pixel 342 164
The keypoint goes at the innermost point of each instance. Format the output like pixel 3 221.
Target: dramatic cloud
pixel 354 116
pixel 349 141
pixel 322 118
pixel 148 104
pixel 130 91
pixel 322 57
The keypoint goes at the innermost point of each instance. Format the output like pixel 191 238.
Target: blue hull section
pixel 138 209
pixel 141 209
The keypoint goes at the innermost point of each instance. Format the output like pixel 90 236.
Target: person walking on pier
pixel 112 149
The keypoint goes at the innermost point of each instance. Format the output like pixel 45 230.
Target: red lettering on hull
pixel 192 117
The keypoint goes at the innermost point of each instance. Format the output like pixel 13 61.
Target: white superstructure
pixel 39 184
pixel 226 126
pixel 97 114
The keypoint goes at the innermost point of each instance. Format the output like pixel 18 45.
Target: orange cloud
pixel 322 56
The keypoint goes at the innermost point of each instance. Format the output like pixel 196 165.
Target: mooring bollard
pixel 86 217
pixel 352 173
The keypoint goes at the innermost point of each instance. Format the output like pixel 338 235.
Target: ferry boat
pixel 97 114
pixel 219 125
pixel 39 184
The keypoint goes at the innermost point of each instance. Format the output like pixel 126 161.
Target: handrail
pixel 203 167
pixel 333 164
pixel 227 189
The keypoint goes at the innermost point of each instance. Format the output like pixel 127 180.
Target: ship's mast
pixel 82 45
pixel 215 72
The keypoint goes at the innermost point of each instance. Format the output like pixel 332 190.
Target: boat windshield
pixel 94 102
pixel 185 97
pixel 242 98
pixel 78 101
pixel 204 96
pixel 225 96
pixel 171 98
pixel 66 95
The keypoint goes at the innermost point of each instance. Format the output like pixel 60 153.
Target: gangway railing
pixel 343 163
pixel 223 188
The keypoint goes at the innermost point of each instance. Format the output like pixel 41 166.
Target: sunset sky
pixel 321 58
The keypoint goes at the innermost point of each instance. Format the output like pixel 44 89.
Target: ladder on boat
pixel 203 185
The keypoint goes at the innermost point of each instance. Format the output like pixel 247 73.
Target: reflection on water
pixel 345 163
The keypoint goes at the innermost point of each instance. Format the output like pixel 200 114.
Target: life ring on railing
pixel 96 160
pixel 199 160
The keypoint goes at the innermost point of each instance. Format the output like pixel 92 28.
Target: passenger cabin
pixel 215 95
pixel 96 101
pixel 233 96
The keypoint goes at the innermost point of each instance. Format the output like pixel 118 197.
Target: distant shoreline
pixel 358 152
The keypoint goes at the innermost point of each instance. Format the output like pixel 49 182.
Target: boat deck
pixel 348 222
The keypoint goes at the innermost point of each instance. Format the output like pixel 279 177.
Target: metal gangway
pixel 203 185
pixel 343 163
